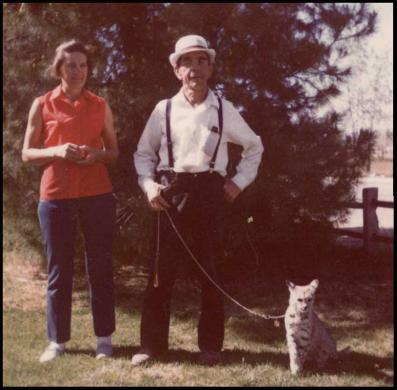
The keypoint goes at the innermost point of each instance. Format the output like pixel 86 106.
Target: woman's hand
pixel 110 151
pixel 69 151
pixel 89 155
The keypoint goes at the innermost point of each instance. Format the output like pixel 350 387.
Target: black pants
pixel 202 219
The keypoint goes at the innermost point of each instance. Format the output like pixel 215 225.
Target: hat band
pixel 194 47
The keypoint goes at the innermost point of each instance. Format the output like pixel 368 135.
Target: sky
pixel 361 84
pixel 382 40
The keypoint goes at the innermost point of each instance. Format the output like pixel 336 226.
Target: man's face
pixel 194 70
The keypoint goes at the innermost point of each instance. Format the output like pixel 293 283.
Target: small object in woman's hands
pixel 83 152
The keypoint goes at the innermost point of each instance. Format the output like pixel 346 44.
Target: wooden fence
pixel 370 233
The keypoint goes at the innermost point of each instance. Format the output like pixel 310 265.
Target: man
pixel 181 161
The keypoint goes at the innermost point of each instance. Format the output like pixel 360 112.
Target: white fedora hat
pixel 190 43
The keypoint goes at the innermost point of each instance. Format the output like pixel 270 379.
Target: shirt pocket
pixel 209 141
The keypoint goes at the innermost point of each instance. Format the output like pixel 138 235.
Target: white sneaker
pixel 104 351
pixel 140 358
pixel 51 352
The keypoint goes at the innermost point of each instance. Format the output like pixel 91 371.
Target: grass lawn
pixel 357 310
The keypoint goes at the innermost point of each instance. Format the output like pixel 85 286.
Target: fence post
pixel 371 225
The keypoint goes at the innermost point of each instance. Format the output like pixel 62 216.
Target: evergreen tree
pixel 31 32
pixel 279 63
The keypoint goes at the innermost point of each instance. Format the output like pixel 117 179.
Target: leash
pixel 252 312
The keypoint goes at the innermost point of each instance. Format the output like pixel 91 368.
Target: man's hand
pixel 158 203
pixel 232 191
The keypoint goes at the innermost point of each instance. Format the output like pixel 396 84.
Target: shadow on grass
pixel 229 357
pixel 356 363
pixel 118 351
pixel 262 284
pixel 336 264
pixel 75 351
pixel 258 331
pixel 353 363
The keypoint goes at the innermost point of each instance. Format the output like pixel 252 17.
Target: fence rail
pixel 381 203
pixel 370 233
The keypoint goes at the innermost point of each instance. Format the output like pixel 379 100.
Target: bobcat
pixel 307 337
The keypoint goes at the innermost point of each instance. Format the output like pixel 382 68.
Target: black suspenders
pixel 168 129
pixel 220 124
pixel 169 141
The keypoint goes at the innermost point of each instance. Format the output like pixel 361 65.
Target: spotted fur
pixel 307 337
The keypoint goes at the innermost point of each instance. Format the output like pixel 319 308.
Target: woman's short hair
pixel 67 47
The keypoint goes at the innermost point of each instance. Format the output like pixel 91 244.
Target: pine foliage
pixel 278 63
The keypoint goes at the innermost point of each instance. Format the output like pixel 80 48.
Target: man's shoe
pixel 209 358
pixel 51 352
pixel 104 351
pixel 140 358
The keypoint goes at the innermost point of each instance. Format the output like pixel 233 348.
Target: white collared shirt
pixel 190 127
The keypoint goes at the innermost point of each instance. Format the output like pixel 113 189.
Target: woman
pixel 70 133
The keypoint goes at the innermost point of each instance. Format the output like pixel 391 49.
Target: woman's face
pixel 74 69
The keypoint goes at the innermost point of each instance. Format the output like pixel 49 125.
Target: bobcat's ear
pixel 314 283
pixel 290 285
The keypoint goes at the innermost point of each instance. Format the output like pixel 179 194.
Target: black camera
pixel 169 193
pixel 174 193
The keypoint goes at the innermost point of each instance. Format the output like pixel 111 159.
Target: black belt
pixel 186 175
pixel 193 175
pixel 179 183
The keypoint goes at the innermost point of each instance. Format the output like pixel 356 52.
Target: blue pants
pixel 58 219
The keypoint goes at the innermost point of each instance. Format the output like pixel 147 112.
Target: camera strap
pixel 169 140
